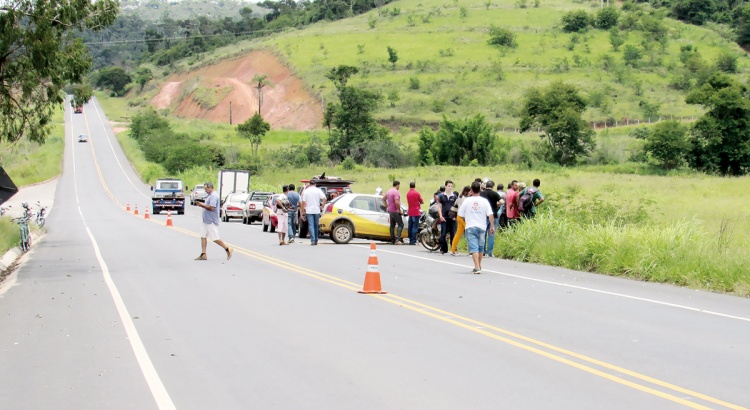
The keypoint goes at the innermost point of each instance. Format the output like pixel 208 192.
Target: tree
pixel 254 129
pixel 576 20
pixel 115 79
pixel 668 143
pixel 82 93
pixel 393 97
pixel 143 75
pixel 392 57
pixel 741 23
pixel 694 11
pixel 607 17
pixel 260 81
pixel 720 139
pixel 615 39
pixel 39 56
pixel 459 142
pixel 631 55
pixel 556 112
pixel 502 37
pixel 727 62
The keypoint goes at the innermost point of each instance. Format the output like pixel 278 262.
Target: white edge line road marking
pixel 158 391
pixel 622 295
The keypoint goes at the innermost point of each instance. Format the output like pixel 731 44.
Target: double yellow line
pixel 587 364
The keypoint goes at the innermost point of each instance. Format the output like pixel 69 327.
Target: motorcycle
pixel 429 230
pixel 41 215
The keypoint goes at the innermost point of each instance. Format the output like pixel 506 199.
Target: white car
pixel 233 206
pixel 198 194
pixel 83 138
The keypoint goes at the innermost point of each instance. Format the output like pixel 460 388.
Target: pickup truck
pixel 168 194
pixel 253 210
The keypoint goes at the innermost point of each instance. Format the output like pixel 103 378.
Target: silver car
pixel 198 194
pixel 233 206
pixel 83 138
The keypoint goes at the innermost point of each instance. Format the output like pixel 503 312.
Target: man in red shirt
pixel 511 204
pixel 415 201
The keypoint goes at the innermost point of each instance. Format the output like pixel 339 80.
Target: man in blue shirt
pixel 294 201
pixel 210 226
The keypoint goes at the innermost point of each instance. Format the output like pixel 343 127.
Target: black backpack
pixel 526 201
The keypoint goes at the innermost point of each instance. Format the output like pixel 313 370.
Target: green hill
pixel 443 46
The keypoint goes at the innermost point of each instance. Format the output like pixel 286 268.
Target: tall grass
pixel 9 234
pixel 29 163
pixel 679 252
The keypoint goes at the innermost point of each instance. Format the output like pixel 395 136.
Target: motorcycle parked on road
pixel 429 230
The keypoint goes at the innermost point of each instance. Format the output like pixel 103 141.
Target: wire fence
pixel 624 122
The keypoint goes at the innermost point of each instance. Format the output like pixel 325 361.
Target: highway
pixel 110 311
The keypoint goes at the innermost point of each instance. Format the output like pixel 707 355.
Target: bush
pixel 348 164
pixel 576 21
pixel 502 37
pixel 727 62
pixel 607 17
pixel 414 83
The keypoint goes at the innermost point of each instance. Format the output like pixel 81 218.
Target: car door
pixel 363 211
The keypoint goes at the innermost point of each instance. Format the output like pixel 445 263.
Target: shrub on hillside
pixel 668 144
pixel 576 21
pixel 607 17
pixel 727 62
pixel 500 36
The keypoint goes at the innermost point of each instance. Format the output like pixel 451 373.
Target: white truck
pixel 168 194
pixel 232 180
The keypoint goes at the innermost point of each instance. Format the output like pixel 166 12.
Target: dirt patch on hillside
pixel 285 104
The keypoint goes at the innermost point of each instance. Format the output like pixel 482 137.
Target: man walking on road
pixel 415 201
pixel 210 226
pixel 312 201
pixel 475 210
pixel 294 199
pixel 392 201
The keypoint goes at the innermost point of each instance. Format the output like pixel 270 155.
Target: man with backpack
pixel 529 198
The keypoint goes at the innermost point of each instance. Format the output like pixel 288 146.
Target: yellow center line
pixel 474 325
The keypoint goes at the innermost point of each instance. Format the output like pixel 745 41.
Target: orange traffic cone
pixel 136 210
pixel 127 207
pixel 145 215
pixel 372 277
pixel 169 218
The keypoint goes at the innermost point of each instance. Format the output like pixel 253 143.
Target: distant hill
pixel 445 65
pixel 154 10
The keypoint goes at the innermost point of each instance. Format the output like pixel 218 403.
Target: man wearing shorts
pixel 475 210
pixel 210 226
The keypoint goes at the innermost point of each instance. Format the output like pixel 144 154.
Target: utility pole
pixel 230 113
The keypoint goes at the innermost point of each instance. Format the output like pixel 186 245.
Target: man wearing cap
pixel 312 201
pixel 210 226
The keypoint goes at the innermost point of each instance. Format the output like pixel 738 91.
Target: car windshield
pixel 260 197
pixel 169 185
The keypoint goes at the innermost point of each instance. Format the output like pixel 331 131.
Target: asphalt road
pixel 110 311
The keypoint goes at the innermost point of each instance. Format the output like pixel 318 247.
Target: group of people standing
pixel 310 204
pixel 479 211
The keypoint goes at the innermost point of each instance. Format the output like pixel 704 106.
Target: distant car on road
pixel 351 216
pixel 198 194
pixel 233 205
pixel 83 138
pixel 78 109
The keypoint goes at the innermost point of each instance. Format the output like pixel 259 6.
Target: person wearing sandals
pixel 210 226
pixel 282 212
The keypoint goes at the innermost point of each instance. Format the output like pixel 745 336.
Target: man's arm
pixel 385 202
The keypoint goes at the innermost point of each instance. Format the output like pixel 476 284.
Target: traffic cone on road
pixel 136 210
pixel 145 214
pixel 127 207
pixel 169 218
pixel 372 277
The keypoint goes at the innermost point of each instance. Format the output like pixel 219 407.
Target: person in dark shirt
pixel 493 197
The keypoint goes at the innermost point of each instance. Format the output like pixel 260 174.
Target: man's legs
pixel 474 240
pixel 443 233
pixel 452 226
pixel 204 244
pixel 459 232
pixel 292 225
pixel 313 224
pixel 489 247
pixel 400 228
pixel 393 221
pixel 413 229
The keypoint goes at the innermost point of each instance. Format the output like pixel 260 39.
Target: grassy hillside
pixel 443 45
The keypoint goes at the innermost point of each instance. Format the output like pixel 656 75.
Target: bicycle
pixel 23 223
pixel 41 215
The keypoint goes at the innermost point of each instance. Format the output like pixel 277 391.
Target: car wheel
pixel 342 233
pixel 265 227
pixel 181 211
pixel 157 210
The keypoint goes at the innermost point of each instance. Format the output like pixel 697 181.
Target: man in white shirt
pixel 475 210
pixel 312 201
